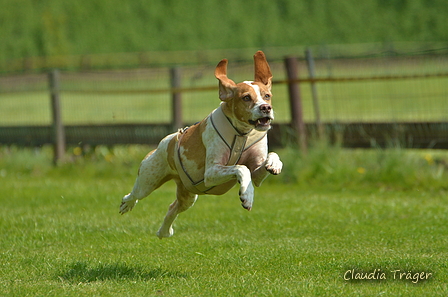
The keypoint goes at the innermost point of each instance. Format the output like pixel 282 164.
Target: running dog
pixel 210 157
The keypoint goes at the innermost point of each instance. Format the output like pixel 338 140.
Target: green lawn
pixel 330 212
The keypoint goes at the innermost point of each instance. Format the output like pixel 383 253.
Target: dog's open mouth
pixel 261 123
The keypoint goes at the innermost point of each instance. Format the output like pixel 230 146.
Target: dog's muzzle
pixel 263 122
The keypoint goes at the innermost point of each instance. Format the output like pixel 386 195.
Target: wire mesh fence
pixel 377 89
pixel 386 89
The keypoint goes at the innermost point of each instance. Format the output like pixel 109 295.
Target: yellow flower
pixel 77 151
pixel 109 157
pixel 429 159
pixel 361 170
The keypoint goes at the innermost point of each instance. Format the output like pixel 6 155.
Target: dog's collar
pixel 236 142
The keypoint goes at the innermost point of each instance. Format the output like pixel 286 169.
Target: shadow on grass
pixel 81 272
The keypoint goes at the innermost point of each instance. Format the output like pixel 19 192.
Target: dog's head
pixel 248 103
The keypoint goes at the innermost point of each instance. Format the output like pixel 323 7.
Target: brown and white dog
pixel 228 146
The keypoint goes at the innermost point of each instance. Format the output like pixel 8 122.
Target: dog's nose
pixel 265 108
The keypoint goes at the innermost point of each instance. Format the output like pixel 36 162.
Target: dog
pixel 210 157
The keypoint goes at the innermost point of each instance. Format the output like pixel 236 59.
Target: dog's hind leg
pixel 153 172
pixel 184 201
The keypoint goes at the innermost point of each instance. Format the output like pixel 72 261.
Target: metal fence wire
pixel 367 90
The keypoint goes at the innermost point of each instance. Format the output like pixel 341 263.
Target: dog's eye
pixel 267 97
pixel 247 98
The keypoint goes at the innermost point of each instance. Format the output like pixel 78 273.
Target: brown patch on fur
pixel 191 142
pixel 242 108
pixel 149 154
pixel 222 188
pixel 262 70
pixel 251 158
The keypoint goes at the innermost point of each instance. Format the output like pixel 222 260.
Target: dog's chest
pixel 212 139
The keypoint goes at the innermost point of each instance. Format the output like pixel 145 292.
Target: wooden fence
pixel 353 134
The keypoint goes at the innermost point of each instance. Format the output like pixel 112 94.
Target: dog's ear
pixel 226 85
pixel 262 71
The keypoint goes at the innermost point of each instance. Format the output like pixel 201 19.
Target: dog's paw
pixel 247 196
pixel 127 204
pixel 273 164
pixel 165 233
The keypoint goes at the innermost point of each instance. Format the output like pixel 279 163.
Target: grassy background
pixel 52 28
pixel 331 211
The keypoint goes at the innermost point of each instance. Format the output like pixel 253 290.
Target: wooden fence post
pixel 310 62
pixel 295 102
pixel 176 84
pixel 57 125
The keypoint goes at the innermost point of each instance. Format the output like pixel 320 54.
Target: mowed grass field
pixel 330 213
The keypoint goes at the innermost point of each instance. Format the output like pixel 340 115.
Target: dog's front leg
pixel 219 174
pixel 272 165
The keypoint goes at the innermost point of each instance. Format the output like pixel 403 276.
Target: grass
pixel 58 29
pixel 331 211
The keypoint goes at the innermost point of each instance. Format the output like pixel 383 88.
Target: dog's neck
pixel 240 127
pixel 228 132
